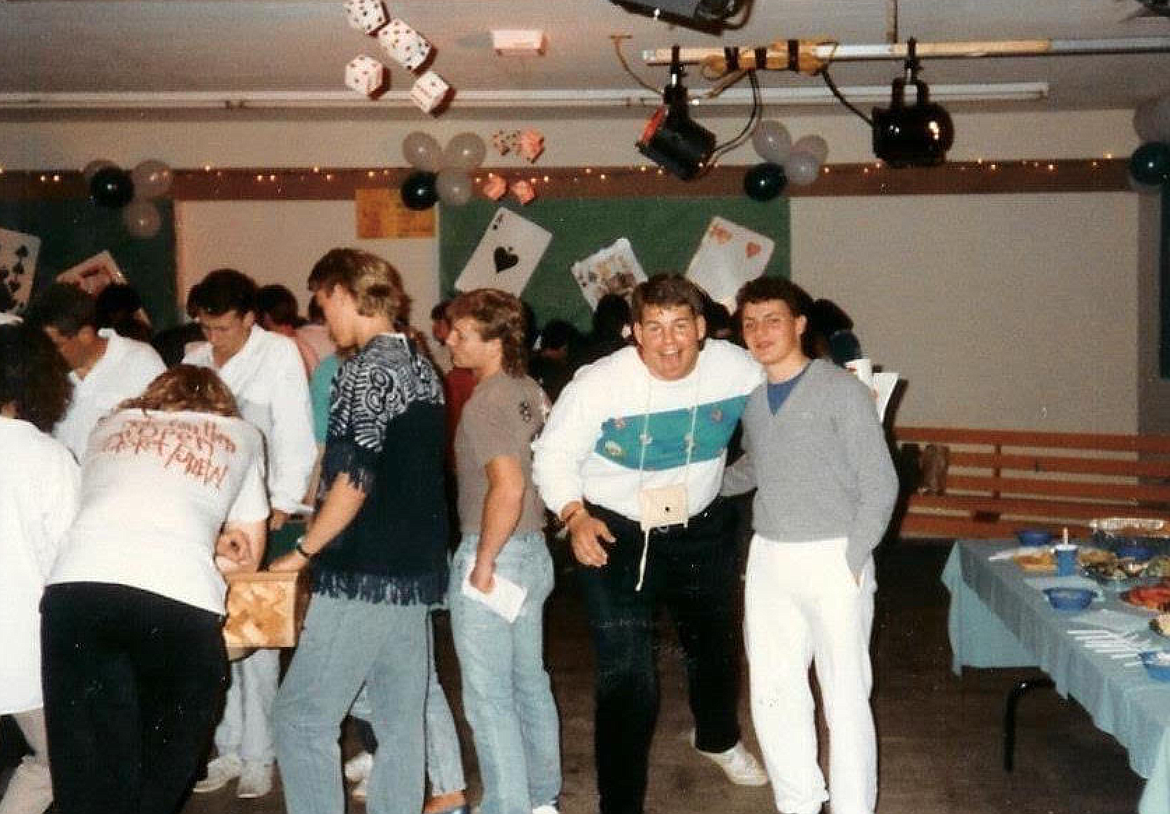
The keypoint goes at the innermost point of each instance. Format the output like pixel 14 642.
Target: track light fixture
pixel 671 138
pixel 916 135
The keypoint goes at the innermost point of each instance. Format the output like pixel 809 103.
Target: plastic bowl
pixel 1135 551
pixel 1157 663
pixel 1034 537
pixel 1070 598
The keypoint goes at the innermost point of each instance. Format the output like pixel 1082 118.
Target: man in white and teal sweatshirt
pixel 815 452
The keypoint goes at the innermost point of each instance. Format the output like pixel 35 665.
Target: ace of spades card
pixel 728 256
pixel 507 254
pixel 18 263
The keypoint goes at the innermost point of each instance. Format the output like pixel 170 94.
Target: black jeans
pixel 693 572
pixel 133 685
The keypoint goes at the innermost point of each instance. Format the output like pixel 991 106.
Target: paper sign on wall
pixel 728 256
pixel 612 270
pixel 507 254
pixel 380 213
pixel 18 264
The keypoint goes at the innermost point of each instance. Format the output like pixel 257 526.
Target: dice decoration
pixel 366 15
pixel 365 74
pixel 495 187
pixel 524 191
pixel 531 145
pixel 429 92
pixel 405 46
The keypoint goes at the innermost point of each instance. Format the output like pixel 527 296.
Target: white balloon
pixel 152 179
pixel 465 151
pixel 772 141
pixel 801 168
pixel 1160 119
pixel 141 218
pixel 453 186
pixel 815 146
pixel 97 164
pixel 1143 121
pixel 422 152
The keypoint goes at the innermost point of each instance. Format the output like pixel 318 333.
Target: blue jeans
pixel 506 692
pixel 345 643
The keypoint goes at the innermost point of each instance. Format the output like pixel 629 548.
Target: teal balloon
pixel 765 181
pixel 1150 163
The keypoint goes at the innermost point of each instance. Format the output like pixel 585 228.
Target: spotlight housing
pixel 692 13
pixel 671 138
pixel 917 135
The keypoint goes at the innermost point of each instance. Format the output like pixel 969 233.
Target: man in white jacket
pixel 265 373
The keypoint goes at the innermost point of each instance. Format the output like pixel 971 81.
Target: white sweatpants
pixel 803 605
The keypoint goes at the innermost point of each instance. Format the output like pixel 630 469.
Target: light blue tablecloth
pixel 996 619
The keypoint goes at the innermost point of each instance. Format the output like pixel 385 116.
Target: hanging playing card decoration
pixel 528 144
pixel 507 254
pixel 18 264
pixel 612 270
pixel 728 256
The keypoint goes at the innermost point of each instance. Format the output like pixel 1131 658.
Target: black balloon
pixel 765 181
pixel 111 187
pixel 418 190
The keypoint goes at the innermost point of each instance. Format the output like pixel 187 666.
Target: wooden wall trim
pixel 301 183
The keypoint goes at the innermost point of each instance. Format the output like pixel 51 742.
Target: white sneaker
pixel 361 789
pixel 255 780
pixel 219 772
pixel 357 768
pixel 738 764
pixel 548 808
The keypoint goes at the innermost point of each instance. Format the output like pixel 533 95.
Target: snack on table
pixel 1042 560
pixel 1095 556
pixel 1160 624
pixel 1150 597
pixel 1158 566
pixel 1131 526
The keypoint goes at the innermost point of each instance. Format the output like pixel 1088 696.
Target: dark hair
pixel 557 333
pixel 763 289
pixel 33 376
pixel 314 311
pixel 719 322
pixel 117 307
pixel 611 316
pixel 221 291
pixel 278 304
pixel 499 316
pixel 439 312
pixel 827 317
pixel 666 291
pixel 373 282
pixel 63 306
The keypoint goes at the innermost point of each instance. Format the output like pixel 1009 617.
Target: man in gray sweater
pixel 825 488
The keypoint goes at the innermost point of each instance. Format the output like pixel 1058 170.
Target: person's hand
pixel 277 520
pixel 482 576
pixel 586 534
pixel 293 561
pixel 233 550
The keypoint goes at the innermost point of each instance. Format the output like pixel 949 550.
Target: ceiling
pixel 218 53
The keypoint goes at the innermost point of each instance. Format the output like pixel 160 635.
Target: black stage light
pixel 918 135
pixel 697 13
pixel 671 138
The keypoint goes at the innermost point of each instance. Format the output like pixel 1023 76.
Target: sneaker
pixel 548 808
pixel 219 771
pixel 361 789
pixel 255 780
pixel 738 764
pixel 357 768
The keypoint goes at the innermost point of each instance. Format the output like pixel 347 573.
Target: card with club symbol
pixel 18 264
pixel 728 256
pixel 507 254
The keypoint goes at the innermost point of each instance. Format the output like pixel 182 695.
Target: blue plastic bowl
pixel 1031 537
pixel 1157 663
pixel 1135 551
pixel 1070 598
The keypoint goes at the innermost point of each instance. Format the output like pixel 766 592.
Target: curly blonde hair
pixel 186 387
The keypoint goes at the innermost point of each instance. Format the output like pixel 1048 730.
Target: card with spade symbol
pixel 18 264
pixel 507 254
pixel 728 256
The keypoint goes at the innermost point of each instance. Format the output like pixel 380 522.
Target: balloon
pixel 97 164
pixel 1144 189
pixel 453 186
pixel 772 141
pixel 801 168
pixel 764 182
pixel 1144 123
pixel 418 190
pixel 422 151
pixel 111 187
pixel 1161 119
pixel 152 178
pixel 815 146
pixel 465 151
pixel 141 218
pixel 1150 163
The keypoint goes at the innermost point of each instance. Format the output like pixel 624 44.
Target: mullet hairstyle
pixel 666 291
pixel 33 376
pixel 498 315
pixel 186 387
pixel 374 284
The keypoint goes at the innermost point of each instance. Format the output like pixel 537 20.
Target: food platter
pixel 1154 597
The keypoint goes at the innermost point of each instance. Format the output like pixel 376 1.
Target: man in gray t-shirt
pixel 502 553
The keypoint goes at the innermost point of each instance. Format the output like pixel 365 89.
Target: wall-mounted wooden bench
pixel 1000 481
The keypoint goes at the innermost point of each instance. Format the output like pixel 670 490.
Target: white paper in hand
pixel 506 596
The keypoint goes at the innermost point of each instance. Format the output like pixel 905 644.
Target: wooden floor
pixel 940 736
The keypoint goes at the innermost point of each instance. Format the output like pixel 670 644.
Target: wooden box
pixel 264 609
